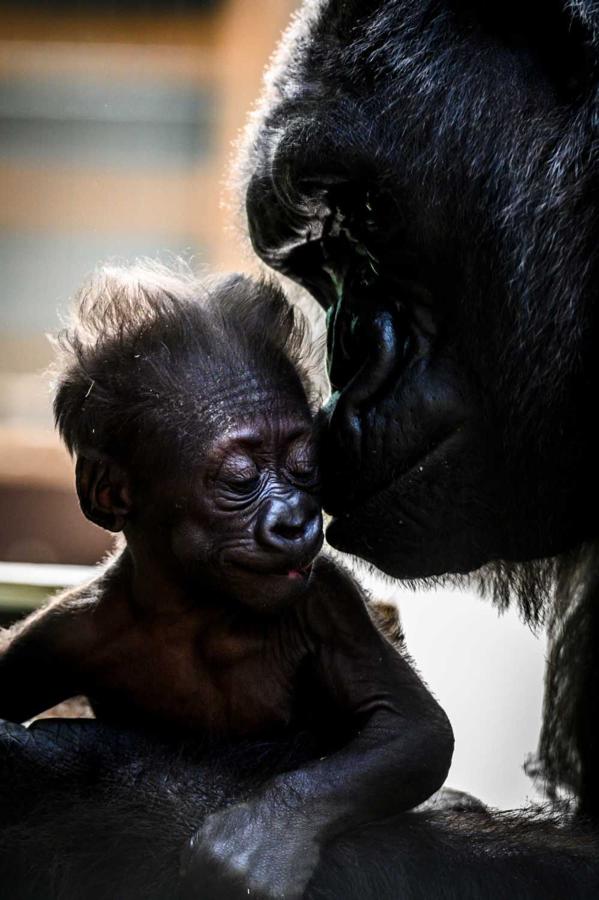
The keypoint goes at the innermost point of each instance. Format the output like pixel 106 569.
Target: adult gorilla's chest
pixel 417 169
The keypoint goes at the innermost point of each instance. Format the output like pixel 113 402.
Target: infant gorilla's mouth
pixel 285 570
pixel 301 574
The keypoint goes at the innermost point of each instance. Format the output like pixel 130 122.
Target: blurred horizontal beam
pixel 176 63
pixel 47 575
pixel 33 457
pixel 108 201
pixel 166 27
pixel 26 585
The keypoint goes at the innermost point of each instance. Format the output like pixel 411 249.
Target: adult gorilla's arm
pixel 90 811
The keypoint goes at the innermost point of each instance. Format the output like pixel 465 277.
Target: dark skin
pixel 215 621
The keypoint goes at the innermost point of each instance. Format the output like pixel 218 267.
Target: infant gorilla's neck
pixel 212 668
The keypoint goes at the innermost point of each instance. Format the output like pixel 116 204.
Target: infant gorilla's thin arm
pixel 34 672
pixel 399 754
pixel 402 741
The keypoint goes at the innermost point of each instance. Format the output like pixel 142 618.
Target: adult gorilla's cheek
pixel 409 530
pixel 409 478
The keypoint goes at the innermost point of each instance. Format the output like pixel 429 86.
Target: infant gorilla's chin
pixel 266 592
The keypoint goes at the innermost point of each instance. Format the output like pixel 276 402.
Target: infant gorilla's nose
pixel 291 526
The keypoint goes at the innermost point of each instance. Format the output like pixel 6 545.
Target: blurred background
pixel 117 128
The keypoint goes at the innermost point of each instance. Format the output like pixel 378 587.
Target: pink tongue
pixel 294 573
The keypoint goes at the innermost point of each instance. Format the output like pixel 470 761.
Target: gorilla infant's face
pixel 244 516
pixel 425 171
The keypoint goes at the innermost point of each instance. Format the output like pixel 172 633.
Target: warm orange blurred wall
pixel 49 200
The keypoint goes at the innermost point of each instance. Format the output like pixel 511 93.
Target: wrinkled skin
pixel 244 519
pixel 227 857
pixel 217 621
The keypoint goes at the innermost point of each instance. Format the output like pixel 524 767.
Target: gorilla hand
pixel 257 849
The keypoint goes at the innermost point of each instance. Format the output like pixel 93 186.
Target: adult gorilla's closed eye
pixel 428 170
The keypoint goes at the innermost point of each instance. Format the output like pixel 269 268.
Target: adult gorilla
pixel 427 169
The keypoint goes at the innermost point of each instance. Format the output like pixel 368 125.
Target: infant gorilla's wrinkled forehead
pixel 157 364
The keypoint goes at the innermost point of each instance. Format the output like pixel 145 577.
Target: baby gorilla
pixel 188 412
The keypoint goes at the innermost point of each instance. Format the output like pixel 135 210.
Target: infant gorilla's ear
pixel 104 492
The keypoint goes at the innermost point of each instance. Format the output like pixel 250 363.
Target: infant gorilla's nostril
pixel 290 525
pixel 288 529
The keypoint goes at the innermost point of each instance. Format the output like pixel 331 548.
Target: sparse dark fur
pixel 135 339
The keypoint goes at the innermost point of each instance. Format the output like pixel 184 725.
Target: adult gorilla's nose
pixel 291 526
pixel 360 374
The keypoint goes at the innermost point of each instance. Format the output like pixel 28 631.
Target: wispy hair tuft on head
pixel 150 348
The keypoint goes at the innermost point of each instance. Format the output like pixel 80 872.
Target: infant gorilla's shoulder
pixel 333 581
pixel 338 603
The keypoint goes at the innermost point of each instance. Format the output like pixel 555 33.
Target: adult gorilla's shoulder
pixel 429 171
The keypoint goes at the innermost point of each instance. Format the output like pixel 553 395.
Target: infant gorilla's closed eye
pixel 189 414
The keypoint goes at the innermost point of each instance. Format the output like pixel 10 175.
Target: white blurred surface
pixel 44 575
pixel 486 670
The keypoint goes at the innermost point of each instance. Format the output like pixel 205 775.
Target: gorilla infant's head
pixel 186 405
pixel 428 170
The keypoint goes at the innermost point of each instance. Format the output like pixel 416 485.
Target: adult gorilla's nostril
pixel 359 381
pixel 290 525
pixel 380 354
